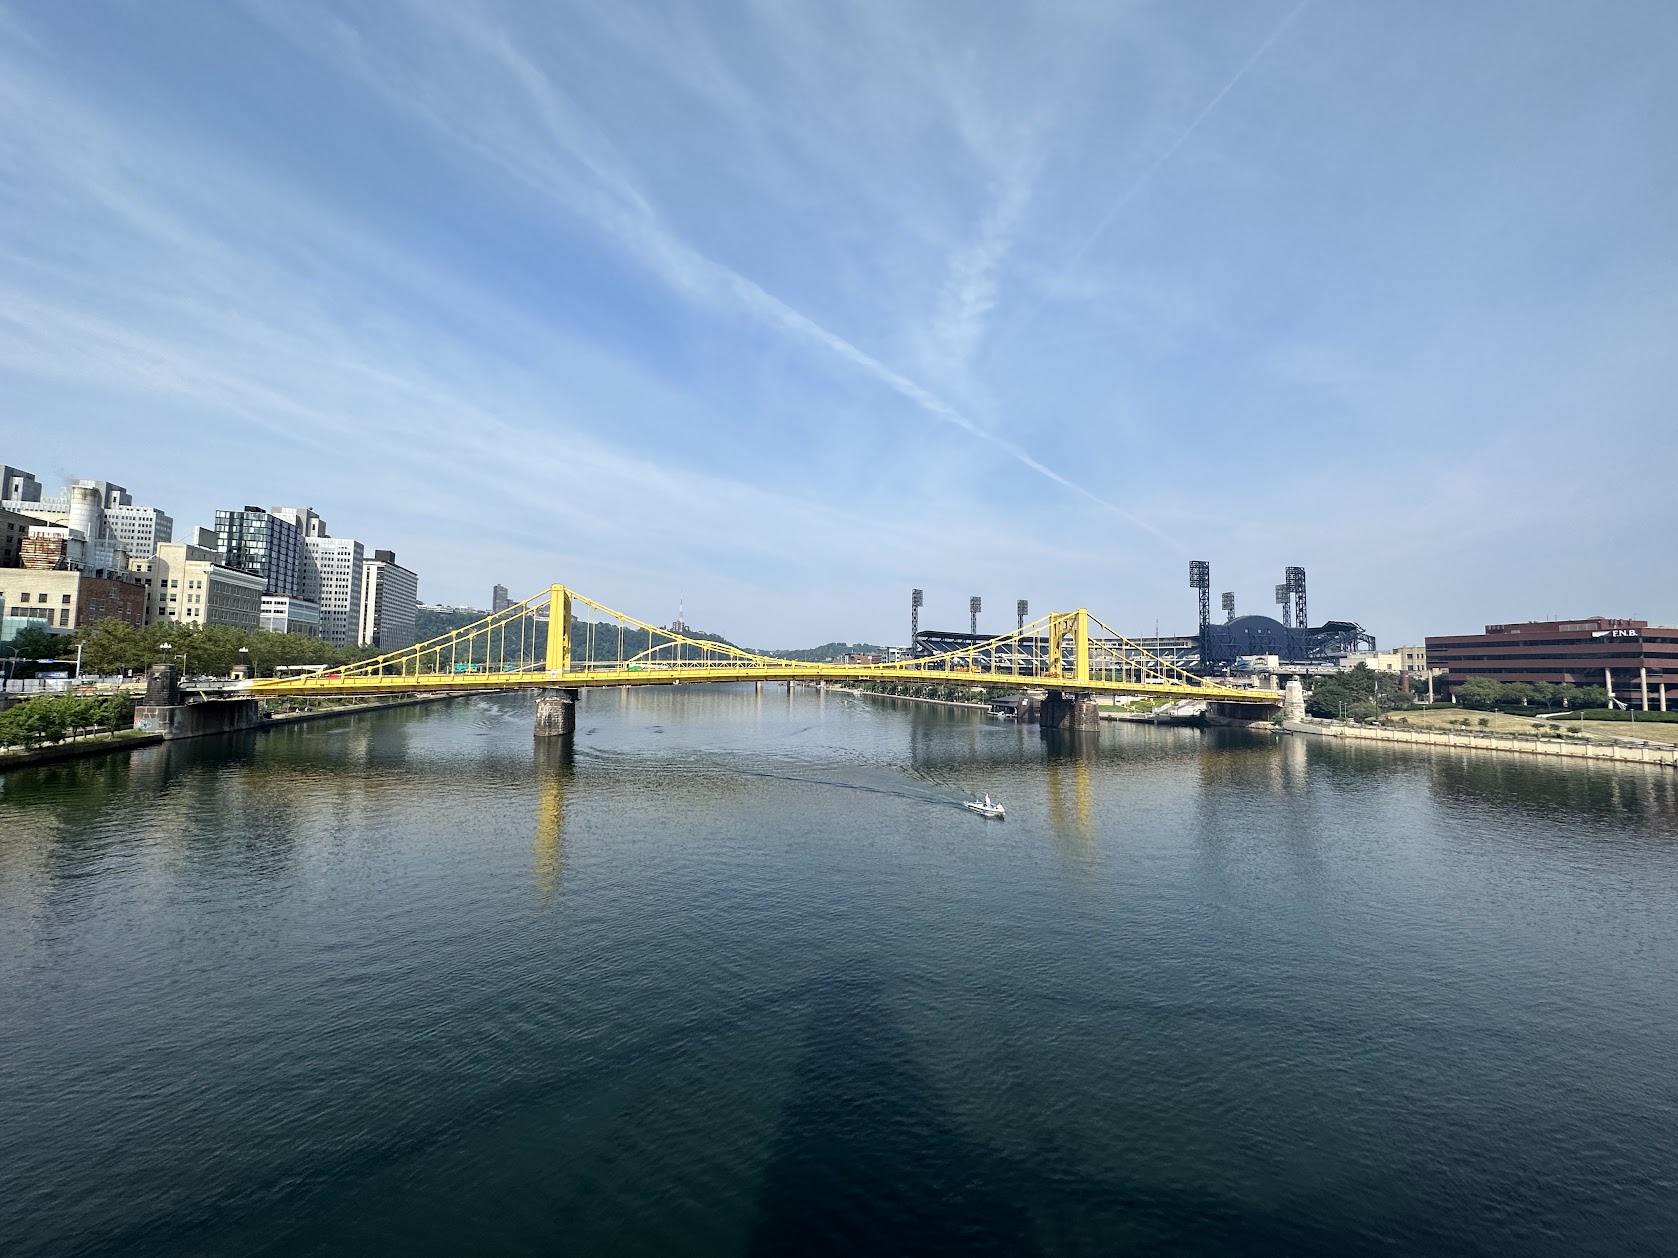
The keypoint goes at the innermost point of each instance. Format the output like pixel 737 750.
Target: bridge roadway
pixel 332 683
pixel 543 644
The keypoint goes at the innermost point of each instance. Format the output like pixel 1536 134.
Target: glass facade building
pixel 261 544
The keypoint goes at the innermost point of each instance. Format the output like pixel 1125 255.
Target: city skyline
pixel 793 310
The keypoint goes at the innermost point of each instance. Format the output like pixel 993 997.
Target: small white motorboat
pixel 984 807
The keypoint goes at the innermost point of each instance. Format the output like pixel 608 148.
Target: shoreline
pixel 1665 756
pixel 126 740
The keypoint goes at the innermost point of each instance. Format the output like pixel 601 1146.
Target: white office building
pixel 285 613
pixel 331 579
pixel 389 599
pixel 138 530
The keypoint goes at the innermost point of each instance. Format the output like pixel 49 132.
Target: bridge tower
pixel 556 710
pixel 1069 706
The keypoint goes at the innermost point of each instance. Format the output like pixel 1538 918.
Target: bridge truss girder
pixel 518 647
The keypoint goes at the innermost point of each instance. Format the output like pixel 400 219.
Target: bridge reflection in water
pixel 555 763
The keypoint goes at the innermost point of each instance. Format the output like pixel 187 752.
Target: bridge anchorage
pixel 560 642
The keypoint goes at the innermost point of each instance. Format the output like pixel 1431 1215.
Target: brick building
pixel 1634 660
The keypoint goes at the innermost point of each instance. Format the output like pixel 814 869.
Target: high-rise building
pixel 498 600
pixel 102 513
pixel 331 579
pixel 389 599
pixel 261 544
pixel 138 530
pixel 17 485
pixel 308 523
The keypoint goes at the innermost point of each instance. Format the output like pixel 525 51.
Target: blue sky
pixel 789 307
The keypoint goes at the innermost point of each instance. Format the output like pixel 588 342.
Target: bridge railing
pixel 559 633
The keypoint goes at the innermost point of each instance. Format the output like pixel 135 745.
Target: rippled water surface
pixel 735 974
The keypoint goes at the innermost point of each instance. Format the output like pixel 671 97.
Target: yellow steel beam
pixel 559 629
pixel 333 684
pixel 437 665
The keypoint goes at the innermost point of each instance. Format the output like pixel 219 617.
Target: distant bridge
pixel 542 643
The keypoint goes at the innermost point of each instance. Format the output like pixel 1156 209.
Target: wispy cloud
pixel 572 146
pixel 1153 168
pixel 739 297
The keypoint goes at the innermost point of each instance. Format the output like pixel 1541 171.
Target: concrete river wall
pixel 1534 746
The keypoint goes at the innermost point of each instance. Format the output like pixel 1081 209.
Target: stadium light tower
pixel 1200 578
pixel 973 607
pixel 1022 609
pixel 1285 602
pixel 1229 606
pixel 1296 586
pixel 915 601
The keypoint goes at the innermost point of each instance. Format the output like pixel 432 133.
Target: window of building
pixel 64 618
pixel 64 599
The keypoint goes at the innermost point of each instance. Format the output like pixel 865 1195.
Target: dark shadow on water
pixel 867 1159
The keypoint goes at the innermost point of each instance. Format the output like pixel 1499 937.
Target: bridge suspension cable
pixel 547 640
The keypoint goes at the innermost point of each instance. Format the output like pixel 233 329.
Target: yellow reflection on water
pixel 1068 770
pixel 554 762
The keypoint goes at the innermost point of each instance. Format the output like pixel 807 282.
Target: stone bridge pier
pixel 556 712
pixel 1069 710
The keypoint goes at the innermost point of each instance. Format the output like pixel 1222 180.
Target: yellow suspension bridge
pixel 560 639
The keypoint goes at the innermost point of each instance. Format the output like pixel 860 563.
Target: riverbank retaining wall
pixel 1556 747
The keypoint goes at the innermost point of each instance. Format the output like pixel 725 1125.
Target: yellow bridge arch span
pixel 518 647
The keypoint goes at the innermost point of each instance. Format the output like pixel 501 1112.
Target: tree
pixel 1337 692
pixel 1480 692
pixel 35 644
pixel 32 722
pixel 114 646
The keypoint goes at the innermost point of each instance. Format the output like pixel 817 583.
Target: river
pixel 734 973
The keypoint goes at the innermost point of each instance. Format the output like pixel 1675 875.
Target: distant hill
pixel 598 641
pixel 432 622
pixel 826 651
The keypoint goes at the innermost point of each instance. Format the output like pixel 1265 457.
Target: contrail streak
pixel 1153 167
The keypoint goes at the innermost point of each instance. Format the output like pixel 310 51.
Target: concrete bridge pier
pixel 556 713
pixel 1069 711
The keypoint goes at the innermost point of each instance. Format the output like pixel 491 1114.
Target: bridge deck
pixel 332 684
